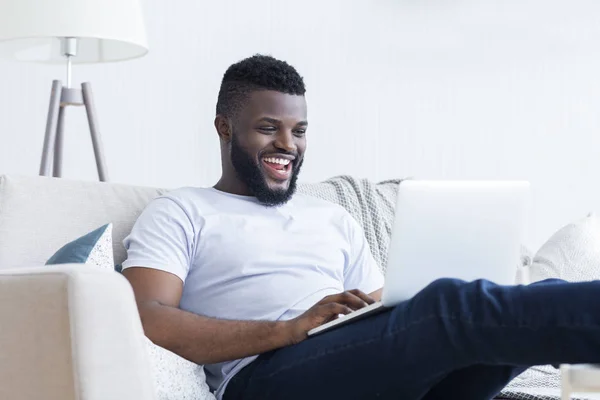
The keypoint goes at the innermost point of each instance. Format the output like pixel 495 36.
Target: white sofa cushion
pixel 38 215
pixel 572 253
pixel 176 378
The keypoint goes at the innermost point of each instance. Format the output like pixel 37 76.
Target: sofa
pixel 76 330
pixel 70 332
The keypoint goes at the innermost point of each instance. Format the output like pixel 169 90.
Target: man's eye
pixel 300 132
pixel 267 128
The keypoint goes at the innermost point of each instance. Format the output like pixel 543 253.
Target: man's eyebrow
pixel 275 121
pixel 270 120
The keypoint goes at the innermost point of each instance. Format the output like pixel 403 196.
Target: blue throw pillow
pixel 94 248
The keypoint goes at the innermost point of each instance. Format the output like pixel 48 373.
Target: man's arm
pixel 206 340
pixel 199 339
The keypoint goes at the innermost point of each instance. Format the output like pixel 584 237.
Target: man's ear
pixel 223 126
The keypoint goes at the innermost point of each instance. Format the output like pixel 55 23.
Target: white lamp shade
pixel 108 30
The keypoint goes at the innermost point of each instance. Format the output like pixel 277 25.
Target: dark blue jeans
pixel 454 340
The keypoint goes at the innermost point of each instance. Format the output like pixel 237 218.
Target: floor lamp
pixel 71 32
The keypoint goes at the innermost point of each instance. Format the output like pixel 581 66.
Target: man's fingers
pixel 351 300
pixel 365 297
pixel 334 309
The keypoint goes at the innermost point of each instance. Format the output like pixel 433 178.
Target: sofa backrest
pixel 38 215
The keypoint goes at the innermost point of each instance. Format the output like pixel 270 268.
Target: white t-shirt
pixel 240 260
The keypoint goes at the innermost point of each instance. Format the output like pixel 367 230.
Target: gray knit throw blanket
pixel 373 205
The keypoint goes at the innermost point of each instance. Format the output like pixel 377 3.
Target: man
pixel 234 276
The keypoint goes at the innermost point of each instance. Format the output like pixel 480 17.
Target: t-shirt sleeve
pixel 161 238
pixel 361 272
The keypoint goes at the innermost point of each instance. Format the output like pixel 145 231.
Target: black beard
pixel 250 173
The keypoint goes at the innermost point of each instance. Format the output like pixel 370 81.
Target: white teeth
pixel 281 161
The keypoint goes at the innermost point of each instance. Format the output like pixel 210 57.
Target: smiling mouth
pixel 279 169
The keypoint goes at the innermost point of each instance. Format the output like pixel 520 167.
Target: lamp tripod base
pixel 52 153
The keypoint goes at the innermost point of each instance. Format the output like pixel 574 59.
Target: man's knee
pixel 438 293
pixel 444 286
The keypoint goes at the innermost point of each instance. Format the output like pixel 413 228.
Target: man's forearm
pixel 206 340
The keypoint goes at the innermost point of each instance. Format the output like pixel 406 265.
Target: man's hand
pixel 327 310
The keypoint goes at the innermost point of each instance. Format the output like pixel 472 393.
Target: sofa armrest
pixel 71 332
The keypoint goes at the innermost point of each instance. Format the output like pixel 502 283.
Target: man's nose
pixel 285 141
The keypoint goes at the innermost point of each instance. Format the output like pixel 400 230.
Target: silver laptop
pixel 449 229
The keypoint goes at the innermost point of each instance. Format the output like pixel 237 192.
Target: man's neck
pixel 233 186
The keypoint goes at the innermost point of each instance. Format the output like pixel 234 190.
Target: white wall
pixel 431 89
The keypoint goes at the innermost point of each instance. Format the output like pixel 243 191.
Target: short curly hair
pixel 259 72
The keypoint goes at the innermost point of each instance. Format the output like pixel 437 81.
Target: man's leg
pixel 478 381
pixel 448 326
